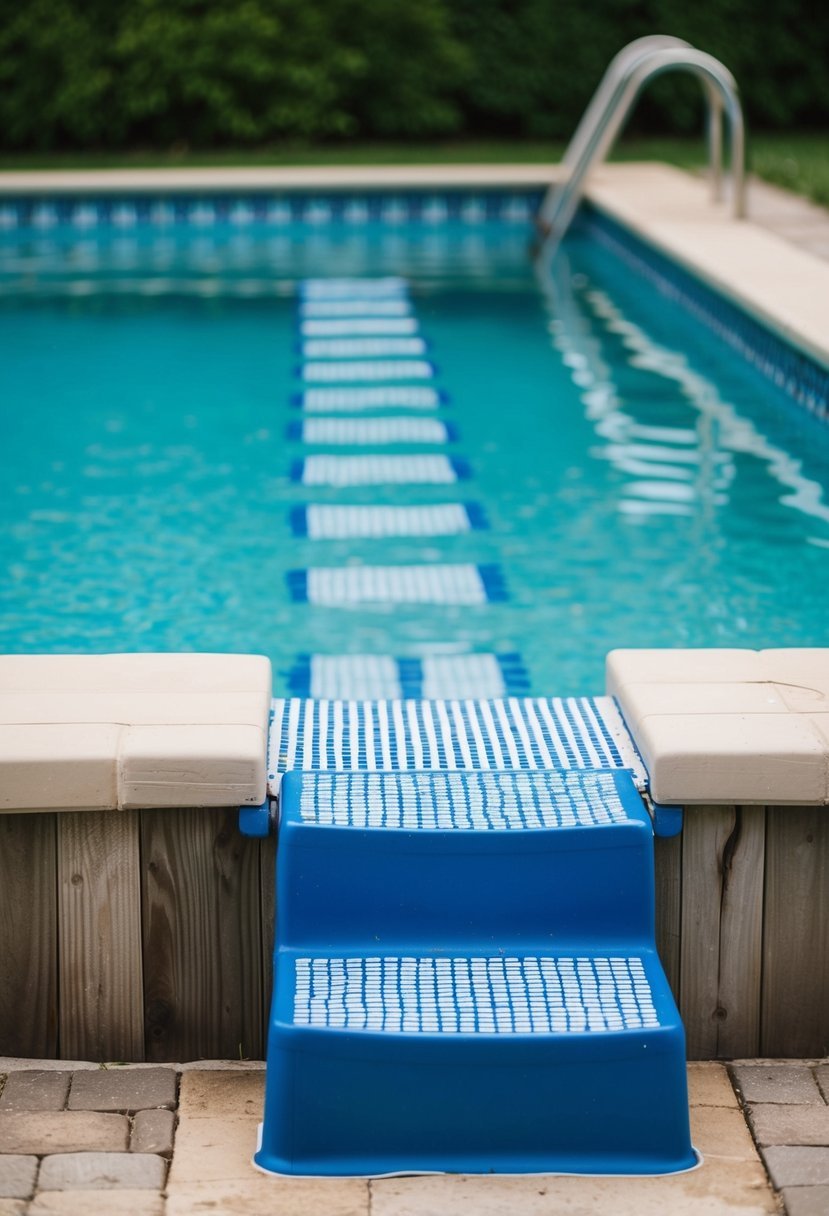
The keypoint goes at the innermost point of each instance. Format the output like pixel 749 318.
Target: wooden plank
pixel 795 1001
pixel 28 937
pixel 202 936
pixel 668 882
pixel 101 989
pixel 722 906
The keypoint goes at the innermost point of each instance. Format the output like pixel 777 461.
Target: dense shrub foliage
pixel 116 73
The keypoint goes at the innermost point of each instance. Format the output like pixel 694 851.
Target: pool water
pixel 628 481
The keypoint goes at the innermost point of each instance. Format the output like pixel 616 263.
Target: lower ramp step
pixel 499 1062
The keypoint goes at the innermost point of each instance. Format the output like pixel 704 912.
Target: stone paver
pixel 709 1085
pixel 822 1078
pixel 261 1196
pixel 797 1165
pixel 12 1207
pixel 36 1090
pixel 778 1124
pixel 152 1132
pixel 102 1171
pixel 214 1148
pixel 235 1093
pixel 132 1089
pixel 784 1083
pixel 806 1200
pixel 98 1203
pixel 719 1188
pixel 63 1131
pixel 17 1176
pixel 718 1131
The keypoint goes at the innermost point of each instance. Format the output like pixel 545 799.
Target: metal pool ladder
pixel 626 76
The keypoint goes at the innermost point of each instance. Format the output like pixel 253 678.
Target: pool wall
pixel 146 934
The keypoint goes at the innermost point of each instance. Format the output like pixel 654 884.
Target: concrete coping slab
pixel 744 726
pixel 122 731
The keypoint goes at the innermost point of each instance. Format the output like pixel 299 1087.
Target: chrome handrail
pixel 597 130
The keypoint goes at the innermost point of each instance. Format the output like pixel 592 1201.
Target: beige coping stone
pixel 99 732
pixel 779 284
pixel 741 758
pixel 262 1196
pixel 703 666
pixel 728 725
pixel 335 177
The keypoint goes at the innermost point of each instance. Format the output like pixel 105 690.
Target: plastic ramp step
pixel 461 856
pixel 471 734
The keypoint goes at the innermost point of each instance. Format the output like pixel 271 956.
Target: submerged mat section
pixel 362 339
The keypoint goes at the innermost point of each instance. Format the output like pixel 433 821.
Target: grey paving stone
pixel 63 1131
pixel 17 1176
pixel 130 1090
pixel 36 1090
pixel 775 1123
pixel 822 1078
pixel 783 1083
pixel 102 1172
pixel 797 1165
pixel 152 1132
pixel 806 1200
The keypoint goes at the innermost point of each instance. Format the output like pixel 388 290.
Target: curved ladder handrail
pixel 560 203
pixel 616 72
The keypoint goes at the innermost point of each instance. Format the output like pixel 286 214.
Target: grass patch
pixel 796 161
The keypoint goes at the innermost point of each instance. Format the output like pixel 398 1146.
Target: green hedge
pixel 156 73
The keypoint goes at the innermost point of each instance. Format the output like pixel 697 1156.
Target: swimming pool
pixel 567 466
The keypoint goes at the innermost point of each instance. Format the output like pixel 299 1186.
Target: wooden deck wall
pixel 147 935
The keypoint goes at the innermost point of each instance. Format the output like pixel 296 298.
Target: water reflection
pixel 628 383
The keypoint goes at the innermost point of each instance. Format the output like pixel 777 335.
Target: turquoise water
pixel 642 487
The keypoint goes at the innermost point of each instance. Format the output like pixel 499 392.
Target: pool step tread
pixel 358 432
pixel 347 399
pixel 367 370
pixel 463 801
pixel 379 677
pixel 478 994
pixel 374 470
pixel 501 733
pixel 341 586
pixel 357 325
pixel 324 521
pixel 362 347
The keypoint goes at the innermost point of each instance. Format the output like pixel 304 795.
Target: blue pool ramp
pixel 467 980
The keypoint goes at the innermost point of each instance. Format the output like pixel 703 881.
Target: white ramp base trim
pixel 332 400
pixel 377 470
pixel 337 586
pixel 350 327
pixel 380 369
pixel 395 735
pixel 361 348
pixel 321 522
pixel 361 307
pixel 366 432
